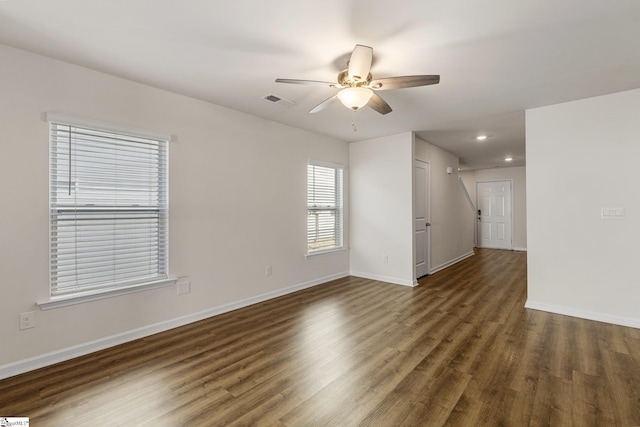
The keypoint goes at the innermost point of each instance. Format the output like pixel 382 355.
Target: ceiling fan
pixel 357 86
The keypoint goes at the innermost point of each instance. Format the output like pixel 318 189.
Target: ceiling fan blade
pixel 360 63
pixel 379 104
pixel 324 104
pixel 404 81
pixel 307 82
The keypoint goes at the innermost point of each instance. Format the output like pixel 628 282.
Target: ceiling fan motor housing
pixel 354 81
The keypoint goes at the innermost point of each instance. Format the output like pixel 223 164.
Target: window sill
pixel 327 252
pixel 83 297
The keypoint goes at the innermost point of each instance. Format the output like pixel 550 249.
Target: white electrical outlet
pixel 385 258
pixel 183 286
pixel 27 320
pixel 268 270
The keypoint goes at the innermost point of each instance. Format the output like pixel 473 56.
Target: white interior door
pixel 421 217
pixel 494 203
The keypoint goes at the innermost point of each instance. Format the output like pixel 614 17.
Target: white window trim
pixel 342 248
pixel 83 297
pixel 326 164
pixel 88 296
pixel 325 252
pixel 64 119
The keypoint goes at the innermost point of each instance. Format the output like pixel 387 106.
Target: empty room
pixel 334 213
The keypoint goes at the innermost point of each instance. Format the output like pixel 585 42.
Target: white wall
pixel 237 204
pixel 451 231
pixel 583 156
pixel 519 201
pixel 382 208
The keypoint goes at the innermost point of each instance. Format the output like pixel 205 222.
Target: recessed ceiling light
pixel 481 137
pixel 508 159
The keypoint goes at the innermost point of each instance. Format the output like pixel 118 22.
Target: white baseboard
pixel 583 314
pixel 393 280
pixel 30 364
pixel 450 263
pixel 520 249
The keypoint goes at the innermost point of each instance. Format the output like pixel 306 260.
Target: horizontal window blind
pixel 108 209
pixel 324 208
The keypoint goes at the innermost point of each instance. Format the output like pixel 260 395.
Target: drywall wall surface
pixel 451 227
pixel 382 208
pixel 582 158
pixel 237 203
pixel 422 150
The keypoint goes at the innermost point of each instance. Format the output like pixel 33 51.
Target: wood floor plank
pixel 458 350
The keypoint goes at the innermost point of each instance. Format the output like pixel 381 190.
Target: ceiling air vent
pixel 278 100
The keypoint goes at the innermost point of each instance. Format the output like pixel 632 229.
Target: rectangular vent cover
pixel 278 100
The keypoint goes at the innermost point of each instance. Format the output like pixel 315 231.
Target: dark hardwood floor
pixel 457 350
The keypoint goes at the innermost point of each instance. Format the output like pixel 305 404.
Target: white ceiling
pixel 496 58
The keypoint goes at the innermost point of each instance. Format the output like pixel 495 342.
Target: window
pixel 324 207
pixel 108 207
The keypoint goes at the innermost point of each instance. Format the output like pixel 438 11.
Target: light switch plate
pixel 612 213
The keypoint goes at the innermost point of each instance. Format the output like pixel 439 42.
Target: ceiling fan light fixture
pixel 356 85
pixel 355 97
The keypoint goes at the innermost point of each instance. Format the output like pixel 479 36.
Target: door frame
pixel 478 228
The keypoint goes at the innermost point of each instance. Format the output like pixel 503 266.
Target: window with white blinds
pixel 324 207
pixel 108 210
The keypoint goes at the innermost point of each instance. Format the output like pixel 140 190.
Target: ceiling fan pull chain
pixel 353 122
